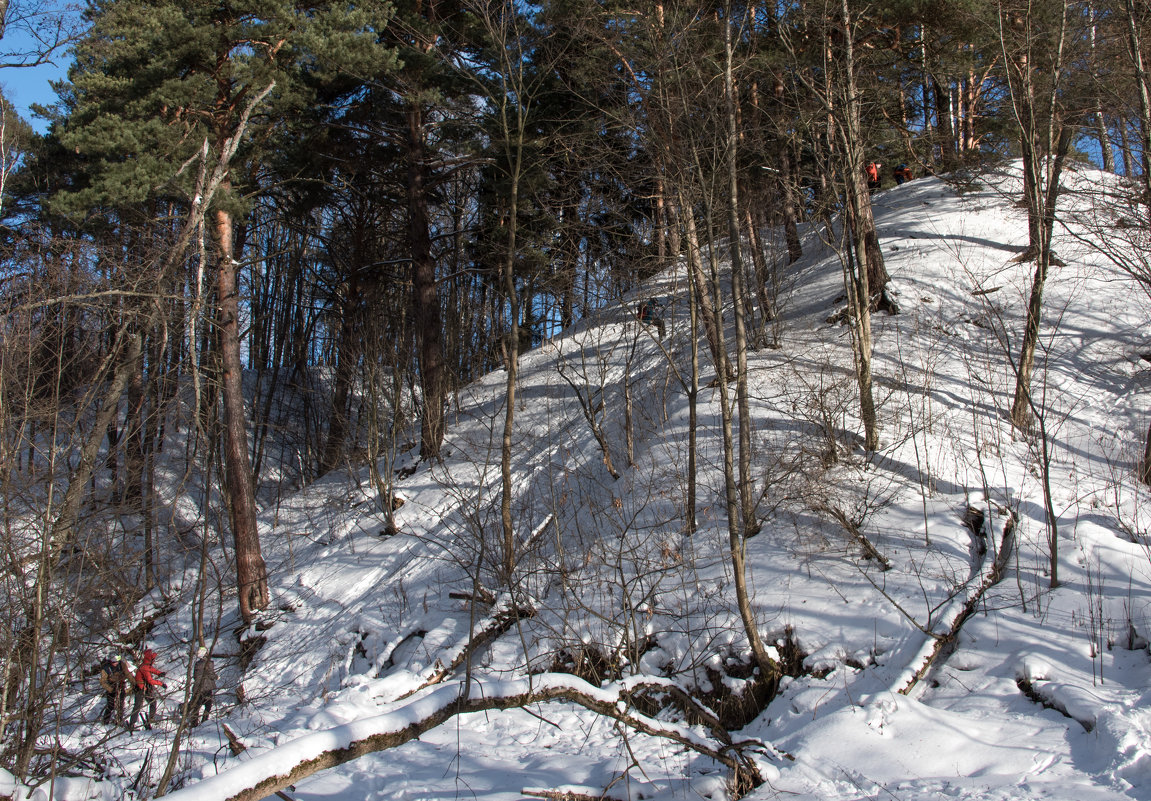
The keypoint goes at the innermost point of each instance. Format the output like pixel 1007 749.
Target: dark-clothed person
pixel 115 671
pixel 203 687
pixel 649 314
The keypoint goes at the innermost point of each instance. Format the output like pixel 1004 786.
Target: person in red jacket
pixel 145 688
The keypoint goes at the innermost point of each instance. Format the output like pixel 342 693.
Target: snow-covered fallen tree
pixel 284 765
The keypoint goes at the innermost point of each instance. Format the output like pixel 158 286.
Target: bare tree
pixel 47 29
pixel 1127 243
pixel 1033 46
pixel 1135 51
pixel 14 139
pixel 835 89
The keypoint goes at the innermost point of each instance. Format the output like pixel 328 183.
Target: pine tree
pixel 160 86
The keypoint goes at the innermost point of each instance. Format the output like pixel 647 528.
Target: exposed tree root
pixel 736 708
pixel 880 301
pixel 1046 701
pixel 569 794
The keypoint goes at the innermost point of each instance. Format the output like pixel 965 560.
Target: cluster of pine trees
pixel 280 235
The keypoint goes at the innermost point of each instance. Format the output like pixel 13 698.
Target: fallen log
pixel 279 768
pixel 940 644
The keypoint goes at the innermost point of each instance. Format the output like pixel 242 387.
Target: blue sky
pixel 24 86
pixel 29 26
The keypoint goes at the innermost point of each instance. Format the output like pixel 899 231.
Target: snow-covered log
pixel 284 765
pixel 955 617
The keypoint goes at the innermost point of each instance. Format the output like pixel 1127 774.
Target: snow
pixel 365 628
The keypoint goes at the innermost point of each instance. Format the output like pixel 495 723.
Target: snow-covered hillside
pixel 1040 695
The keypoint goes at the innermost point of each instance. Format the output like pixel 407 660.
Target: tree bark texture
pixel 1143 89
pixel 512 363
pixel 1145 467
pixel 749 525
pixel 790 207
pixel 348 349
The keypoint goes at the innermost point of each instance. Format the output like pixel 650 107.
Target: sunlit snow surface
pixel 362 622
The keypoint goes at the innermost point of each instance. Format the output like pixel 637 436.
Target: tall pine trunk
pixel 425 296
pixel 347 358
pixel 790 207
pixel 251 573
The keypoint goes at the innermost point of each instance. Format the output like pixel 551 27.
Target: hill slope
pixel 1040 694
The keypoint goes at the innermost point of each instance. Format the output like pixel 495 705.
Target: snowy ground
pixel 365 631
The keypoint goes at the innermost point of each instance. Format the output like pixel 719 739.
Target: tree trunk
pixel 425 296
pixel 741 520
pixel 749 525
pixel 64 526
pixel 1104 142
pixel 763 288
pixel 346 361
pixel 946 128
pixel 1044 231
pixel 790 207
pixel 660 226
pixel 736 533
pixel 251 573
pixel 857 286
pixel 1145 467
pixel 1128 158
pixel 271 771
pixel 693 411
pixel 865 275
pixel 1143 89
pixel 512 364
pixel 877 277
pixel 700 285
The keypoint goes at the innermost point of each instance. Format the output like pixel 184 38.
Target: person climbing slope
pixel 115 672
pixel 145 689
pixel 649 315
pixel 203 687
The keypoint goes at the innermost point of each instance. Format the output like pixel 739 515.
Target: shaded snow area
pixel 1040 695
